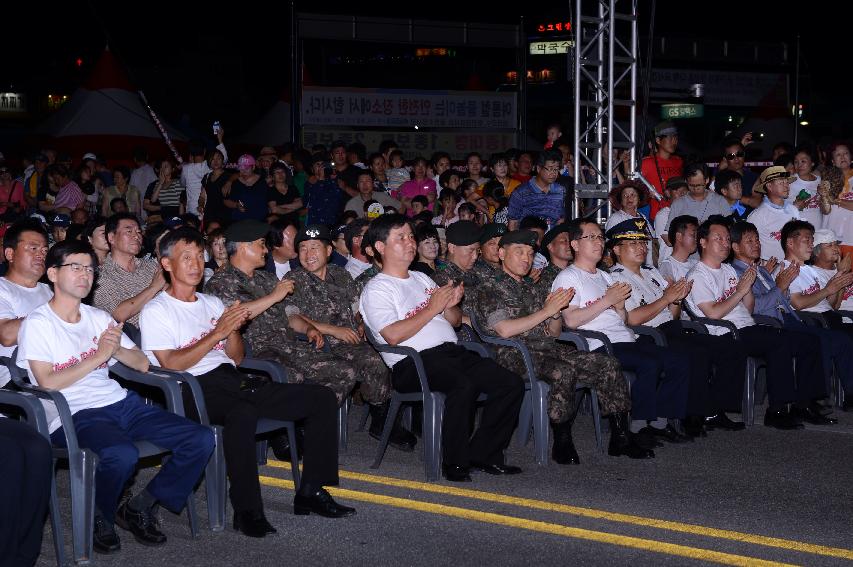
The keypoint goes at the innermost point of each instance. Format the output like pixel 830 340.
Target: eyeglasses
pixel 592 237
pixel 739 154
pixel 80 268
pixel 553 169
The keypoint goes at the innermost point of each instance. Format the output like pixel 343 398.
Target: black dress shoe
pixel 722 421
pixel 142 524
pixel 781 419
pixel 401 438
pixel 252 523
pixel 456 473
pixel 280 445
pixel 668 434
pixel 105 539
pixel 321 503
pixel 809 415
pixel 495 469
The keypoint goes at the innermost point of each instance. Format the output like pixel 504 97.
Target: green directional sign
pixel 682 110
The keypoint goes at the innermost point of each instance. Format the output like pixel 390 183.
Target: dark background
pixel 197 62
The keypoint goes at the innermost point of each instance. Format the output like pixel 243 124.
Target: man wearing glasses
pixel 699 201
pixel 24 247
pixel 774 212
pixel 541 196
pixel 733 160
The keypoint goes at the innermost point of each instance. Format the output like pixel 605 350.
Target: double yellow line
pixel 558 529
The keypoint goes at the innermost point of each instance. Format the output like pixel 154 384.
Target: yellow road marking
pixel 542 527
pixel 596 514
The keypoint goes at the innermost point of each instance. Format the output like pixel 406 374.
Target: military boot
pixel 563 450
pixel 622 441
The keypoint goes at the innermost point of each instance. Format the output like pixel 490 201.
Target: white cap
pixel 90 155
pixel 824 236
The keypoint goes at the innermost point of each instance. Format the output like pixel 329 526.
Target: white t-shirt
pixel 846 295
pixel 717 285
pixel 840 220
pixel 170 324
pixel 809 281
pixel 356 267
pixel 590 288
pixel 646 288
pixel 281 269
pixel 16 302
pixel 191 176
pixel 47 338
pixel 387 299
pixel 769 220
pixel 811 210
pixel 675 270
pixel 661 229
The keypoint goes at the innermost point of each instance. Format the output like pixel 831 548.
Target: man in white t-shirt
pixel 682 234
pixel 774 212
pixel 827 261
pixel 67 346
pixel 718 293
pixel 812 290
pixel 408 309
pixel 24 246
pixel 357 262
pixel 193 332
pixel 659 393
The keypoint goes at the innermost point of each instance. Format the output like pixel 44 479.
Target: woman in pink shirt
pixel 420 185
pixel 70 195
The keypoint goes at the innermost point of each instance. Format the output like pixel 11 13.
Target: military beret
pixel 246 231
pixel 552 234
pixel 520 237
pixel 492 230
pixel 314 232
pixel 463 233
pixel 631 229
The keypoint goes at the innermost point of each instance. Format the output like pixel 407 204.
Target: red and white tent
pixel 107 117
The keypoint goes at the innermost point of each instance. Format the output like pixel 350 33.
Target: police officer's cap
pixel 492 230
pixel 314 232
pixel 520 237
pixel 631 229
pixel 246 231
pixel 463 233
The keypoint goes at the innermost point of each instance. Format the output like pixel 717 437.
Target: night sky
pixel 197 63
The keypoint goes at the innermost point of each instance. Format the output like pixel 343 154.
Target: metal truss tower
pixel 605 77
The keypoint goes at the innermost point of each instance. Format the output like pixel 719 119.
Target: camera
pixel 216 128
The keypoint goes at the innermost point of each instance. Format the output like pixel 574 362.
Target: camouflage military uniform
pixel 484 270
pixel 549 274
pixel 269 336
pixel 365 277
pixel 450 271
pixel 331 301
pixel 502 298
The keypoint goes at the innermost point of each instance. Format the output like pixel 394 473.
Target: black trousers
pixel 719 363
pixel 778 347
pixel 26 465
pixel 462 376
pixel 238 411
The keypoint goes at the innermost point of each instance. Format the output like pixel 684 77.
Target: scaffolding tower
pixel 605 77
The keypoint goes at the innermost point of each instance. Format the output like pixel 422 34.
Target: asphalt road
pixel 737 498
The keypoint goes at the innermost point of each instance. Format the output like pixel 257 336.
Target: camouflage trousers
pixel 370 370
pixel 304 363
pixel 563 367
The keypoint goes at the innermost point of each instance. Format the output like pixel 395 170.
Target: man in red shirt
pixel 663 163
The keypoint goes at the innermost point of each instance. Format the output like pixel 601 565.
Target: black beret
pixel 492 230
pixel 552 234
pixel 463 233
pixel 314 232
pixel 528 237
pixel 246 231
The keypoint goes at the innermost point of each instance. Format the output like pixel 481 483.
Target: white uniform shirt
pixel 646 288
pixel 590 288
